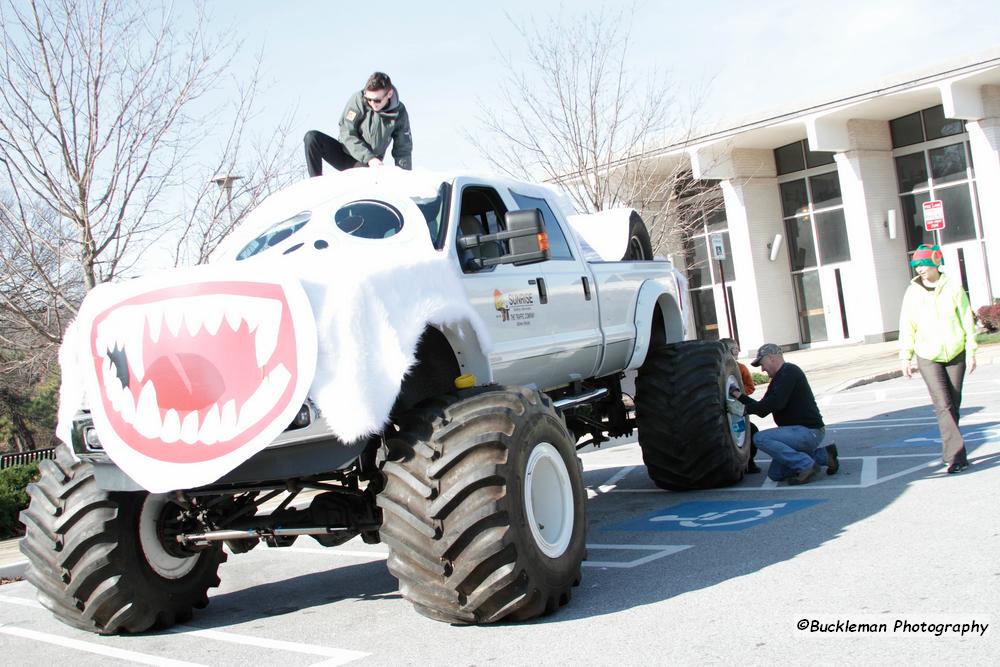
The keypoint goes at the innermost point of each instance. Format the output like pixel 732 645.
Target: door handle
pixel 543 294
pixel 586 288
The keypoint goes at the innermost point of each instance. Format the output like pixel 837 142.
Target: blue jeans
pixel 792 449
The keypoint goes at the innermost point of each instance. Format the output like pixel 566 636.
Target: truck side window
pixel 481 212
pixel 558 247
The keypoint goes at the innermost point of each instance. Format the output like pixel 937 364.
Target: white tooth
pixel 227 421
pixel 267 395
pixel 136 336
pixel 233 318
pixel 252 312
pixel 112 387
pixel 209 433
pixel 173 314
pixel 154 317
pixel 126 407
pixel 266 339
pixel 171 431
pixel 192 319
pixel 212 314
pixel 254 407
pixel 147 412
pixel 189 428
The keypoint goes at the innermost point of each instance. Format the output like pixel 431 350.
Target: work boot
pixel 803 476
pixel 832 462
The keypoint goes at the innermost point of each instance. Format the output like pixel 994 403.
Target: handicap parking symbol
pixel 715 515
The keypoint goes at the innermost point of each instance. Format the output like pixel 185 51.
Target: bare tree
pixel 105 109
pixel 576 116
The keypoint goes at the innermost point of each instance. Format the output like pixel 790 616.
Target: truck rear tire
pixel 639 245
pixel 483 508
pixel 97 558
pixel 689 438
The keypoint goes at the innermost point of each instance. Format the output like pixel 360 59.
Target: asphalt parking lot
pixel 890 561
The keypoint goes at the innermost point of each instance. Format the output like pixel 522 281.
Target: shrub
pixel 989 317
pixel 14 497
pixel 760 378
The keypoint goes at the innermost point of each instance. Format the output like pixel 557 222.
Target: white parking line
pixel 90 647
pixel 660 550
pixel 336 656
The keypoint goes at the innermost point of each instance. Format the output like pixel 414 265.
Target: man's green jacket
pixel 366 133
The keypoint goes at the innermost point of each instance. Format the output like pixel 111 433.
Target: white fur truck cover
pixel 322 293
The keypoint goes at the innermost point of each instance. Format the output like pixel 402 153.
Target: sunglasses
pixel 376 100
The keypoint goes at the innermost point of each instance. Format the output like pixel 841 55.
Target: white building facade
pixel 824 207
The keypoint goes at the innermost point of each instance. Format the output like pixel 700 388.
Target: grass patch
pixel 986 338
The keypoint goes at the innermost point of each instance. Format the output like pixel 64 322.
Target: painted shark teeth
pixel 125 327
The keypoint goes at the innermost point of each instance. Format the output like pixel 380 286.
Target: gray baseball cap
pixel 763 350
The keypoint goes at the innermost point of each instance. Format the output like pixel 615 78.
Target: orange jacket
pixel 748 385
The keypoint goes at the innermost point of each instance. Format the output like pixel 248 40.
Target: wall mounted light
pixel 890 222
pixel 774 246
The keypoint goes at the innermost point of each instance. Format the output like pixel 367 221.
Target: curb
pixel 15 569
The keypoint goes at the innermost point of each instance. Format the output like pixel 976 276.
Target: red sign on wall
pixel 933 215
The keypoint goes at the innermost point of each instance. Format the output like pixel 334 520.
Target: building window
pixel 925 125
pixel 815 228
pixel 933 162
pixel 797 157
pixel 703 272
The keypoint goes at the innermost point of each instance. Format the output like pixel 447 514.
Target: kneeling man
pixel 794 446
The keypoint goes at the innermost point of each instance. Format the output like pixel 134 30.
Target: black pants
pixel 321 147
pixel 944 382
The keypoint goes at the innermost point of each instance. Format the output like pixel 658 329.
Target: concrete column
pixel 984 140
pixel 765 303
pixel 877 276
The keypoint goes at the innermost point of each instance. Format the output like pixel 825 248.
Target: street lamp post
pixel 225 183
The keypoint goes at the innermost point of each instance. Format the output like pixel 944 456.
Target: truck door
pixel 573 328
pixel 507 297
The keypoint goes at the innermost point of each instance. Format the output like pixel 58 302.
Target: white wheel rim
pixel 164 564
pixel 738 424
pixel 548 500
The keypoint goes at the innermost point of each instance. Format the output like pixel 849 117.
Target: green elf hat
pixel 927 255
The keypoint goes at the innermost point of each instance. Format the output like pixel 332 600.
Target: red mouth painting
pixel 193 372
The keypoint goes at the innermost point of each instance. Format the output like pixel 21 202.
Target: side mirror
pixel 528 241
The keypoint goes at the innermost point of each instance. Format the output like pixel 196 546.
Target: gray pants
pixel 944 382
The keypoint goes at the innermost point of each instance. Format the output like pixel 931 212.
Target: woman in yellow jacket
pixel 936 325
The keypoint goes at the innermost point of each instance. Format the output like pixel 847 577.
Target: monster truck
pixel 406 357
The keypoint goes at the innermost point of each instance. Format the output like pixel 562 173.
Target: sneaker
pixel 957 466
pixel 803 476
pixel 832 462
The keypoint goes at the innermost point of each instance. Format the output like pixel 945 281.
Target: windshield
pixel 274 235
pixel 435 212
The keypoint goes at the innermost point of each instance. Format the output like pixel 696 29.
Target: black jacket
pixel 789 398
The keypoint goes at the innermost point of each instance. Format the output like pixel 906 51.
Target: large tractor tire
pixel 483 509
pixel 639 246
pixel 689 433
pixel 98 558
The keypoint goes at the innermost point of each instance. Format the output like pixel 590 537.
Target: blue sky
pixel 443 55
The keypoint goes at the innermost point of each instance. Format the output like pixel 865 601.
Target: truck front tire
pixel 690 439
pixel 483 509
pixel 98 560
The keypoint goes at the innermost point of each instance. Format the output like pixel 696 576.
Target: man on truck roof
pixel 372 119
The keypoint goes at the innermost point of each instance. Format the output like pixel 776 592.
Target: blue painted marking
pixel 715 515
